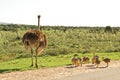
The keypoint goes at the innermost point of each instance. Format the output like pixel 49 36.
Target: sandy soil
pixel 55 73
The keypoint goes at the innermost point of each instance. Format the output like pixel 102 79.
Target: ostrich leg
pixel 38 51
pixel 32 57
pixel 107 65
pixel 36 60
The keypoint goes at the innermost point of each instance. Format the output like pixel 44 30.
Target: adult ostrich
pixel 35 39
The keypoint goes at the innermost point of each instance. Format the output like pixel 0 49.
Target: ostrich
pixel 76 61
pixel 106 60
pixel 35 39
pixel 94 57
pixel 86 59
pixel 96 61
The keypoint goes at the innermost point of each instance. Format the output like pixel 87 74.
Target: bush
pixel 108 29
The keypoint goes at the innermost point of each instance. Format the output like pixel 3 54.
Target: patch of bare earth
pixel 55 73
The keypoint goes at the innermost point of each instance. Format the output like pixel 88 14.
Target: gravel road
pixel 106 74
pixel 86 72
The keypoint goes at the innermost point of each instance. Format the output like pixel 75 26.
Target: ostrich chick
pixel 107 61
pixel 86 59
pixel 76 61
pixel 97 61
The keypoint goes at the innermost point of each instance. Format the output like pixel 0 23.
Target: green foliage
pixel 61 40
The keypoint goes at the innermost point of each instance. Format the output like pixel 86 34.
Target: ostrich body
pixel 94 58
pixel 35 39
pixel 97 61
pixel 86 59
pixel 76 61
pixel 107 61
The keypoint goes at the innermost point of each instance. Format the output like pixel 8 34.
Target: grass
pixel 24 63
pixel 63 43
pixel 47 61
pixel 61 40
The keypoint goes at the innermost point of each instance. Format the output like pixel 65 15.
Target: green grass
pixel 61 40
pixel 63 43
pixel 47 61
pixel 24 63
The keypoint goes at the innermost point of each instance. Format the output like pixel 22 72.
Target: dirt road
pixel 68 73
pixel 106 74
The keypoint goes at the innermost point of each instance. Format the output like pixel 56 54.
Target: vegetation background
pixel 63 42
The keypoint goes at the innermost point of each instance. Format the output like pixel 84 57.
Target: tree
pixel 108 29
